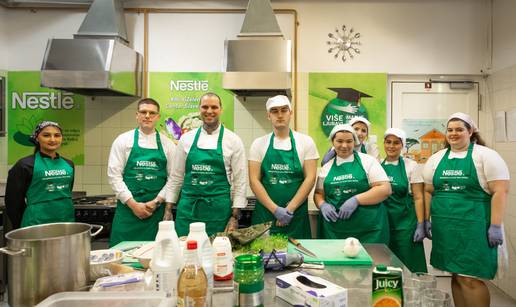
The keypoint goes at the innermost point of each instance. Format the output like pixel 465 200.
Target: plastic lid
pixel 381 268
pixel 199 226
pixel 192 244
pixel 248 262
pixel 166 225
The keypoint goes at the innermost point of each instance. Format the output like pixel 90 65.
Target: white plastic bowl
pixel 100 260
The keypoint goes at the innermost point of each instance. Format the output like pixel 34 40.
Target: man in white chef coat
pixel 138 170
pixel 209 176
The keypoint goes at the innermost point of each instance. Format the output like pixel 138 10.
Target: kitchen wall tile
pixel 91 174
pixel 78 174
pixel 111 118
pixel 128 118
pixel 93 155
pixel 103 174
pixel 92 136
pixel 109 135
pixel 93 189
pixel 106 190
pixel 93 119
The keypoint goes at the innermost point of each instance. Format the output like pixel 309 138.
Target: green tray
pixel 330 252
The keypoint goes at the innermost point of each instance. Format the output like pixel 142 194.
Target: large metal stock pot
pixel 46 259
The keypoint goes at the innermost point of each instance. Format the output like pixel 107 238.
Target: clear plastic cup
pixel 423 281
pixel 411 297
pixel 435 298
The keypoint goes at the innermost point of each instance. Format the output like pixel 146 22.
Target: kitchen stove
pixel 99 210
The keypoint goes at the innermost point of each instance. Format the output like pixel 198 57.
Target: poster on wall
pixel 29 104
pixel 335 98
pixel 178 94
pixel 424 137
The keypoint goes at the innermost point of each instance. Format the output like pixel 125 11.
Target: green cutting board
pixel 127 246
pixel 330 252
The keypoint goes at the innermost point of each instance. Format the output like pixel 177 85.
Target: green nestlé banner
pixel 335 98
pixel 29 104
pixel 178 94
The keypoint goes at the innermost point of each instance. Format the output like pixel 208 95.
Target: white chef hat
pixel 398 133
pixel 464 117
pixel 344 127
pixel 362 119
pixel 277 101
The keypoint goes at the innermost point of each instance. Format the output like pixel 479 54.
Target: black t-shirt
pixel 18 182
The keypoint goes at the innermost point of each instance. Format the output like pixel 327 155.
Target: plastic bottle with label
pixel 192 286
pixel 204 251
pixel 167 260
pixel 222 259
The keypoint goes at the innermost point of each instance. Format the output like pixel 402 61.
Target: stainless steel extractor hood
pixel 98 60
pixel 258 63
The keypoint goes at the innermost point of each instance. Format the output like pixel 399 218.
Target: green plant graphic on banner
pixel 29 103
pixel 334 98
pixel 178 94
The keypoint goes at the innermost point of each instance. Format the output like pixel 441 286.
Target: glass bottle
pixel 192 287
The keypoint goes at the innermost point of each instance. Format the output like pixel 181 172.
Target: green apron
pixel 145 174
pixel 369 224
pixel 49 196
pixel 363 148
pixel 402 219
pixel 282 175
pixel 206 193
pixel 461 214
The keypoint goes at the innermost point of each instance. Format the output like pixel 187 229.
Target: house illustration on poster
pixel 431 142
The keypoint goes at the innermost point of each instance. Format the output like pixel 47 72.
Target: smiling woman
pixel 39 187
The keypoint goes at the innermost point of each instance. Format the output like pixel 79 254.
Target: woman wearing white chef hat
pixel 349 192
pixel 405 206
pixel 362 127
pixel 466 186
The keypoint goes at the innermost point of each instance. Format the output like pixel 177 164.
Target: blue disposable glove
pixel 329 212
pixel 428 229
pixel 283 215
pixel 419 234
pixel 328 156
pixel 347 209
pixel 494 235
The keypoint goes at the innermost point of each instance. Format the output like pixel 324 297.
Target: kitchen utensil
pixel 46 259
pixel 301 248
pixel 329 252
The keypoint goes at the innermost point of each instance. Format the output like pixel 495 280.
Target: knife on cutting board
pixel 301 248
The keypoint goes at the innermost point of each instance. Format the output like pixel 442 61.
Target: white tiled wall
pixel 501 87
pixel 105 119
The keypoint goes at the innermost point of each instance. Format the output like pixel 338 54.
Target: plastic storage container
pixel 167 259
pixel 222 259
pixel 95 299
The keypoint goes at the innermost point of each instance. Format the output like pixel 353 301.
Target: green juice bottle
pixel 387 286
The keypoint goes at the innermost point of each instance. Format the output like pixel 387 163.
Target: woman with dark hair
pixel 349 193
pixel 39 186
pixel 466 186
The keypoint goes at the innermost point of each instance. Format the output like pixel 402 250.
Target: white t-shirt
pixel 488 164
pixel 374 171
pixel 412 169
pixel 305 147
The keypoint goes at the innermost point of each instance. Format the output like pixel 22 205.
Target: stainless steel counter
pixel 357 279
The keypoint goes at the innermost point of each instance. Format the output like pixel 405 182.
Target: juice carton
pixel 387 287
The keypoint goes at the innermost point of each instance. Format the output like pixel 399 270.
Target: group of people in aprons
pixel 457 199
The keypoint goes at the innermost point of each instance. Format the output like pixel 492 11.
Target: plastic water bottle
pixel 167 259
pixel 222 259
pixel 204 252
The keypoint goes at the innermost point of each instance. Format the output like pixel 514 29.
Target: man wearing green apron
pixel 406 234
pixel 282 170
pixel 344 185
pixel 39 187
pixel 138 169
pixel 209 175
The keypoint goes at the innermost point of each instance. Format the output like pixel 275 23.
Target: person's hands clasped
pixel 419 234
pixel 329 212
pixel 495 235
pixel 348 207
pixel 283 215
pixel 141 210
